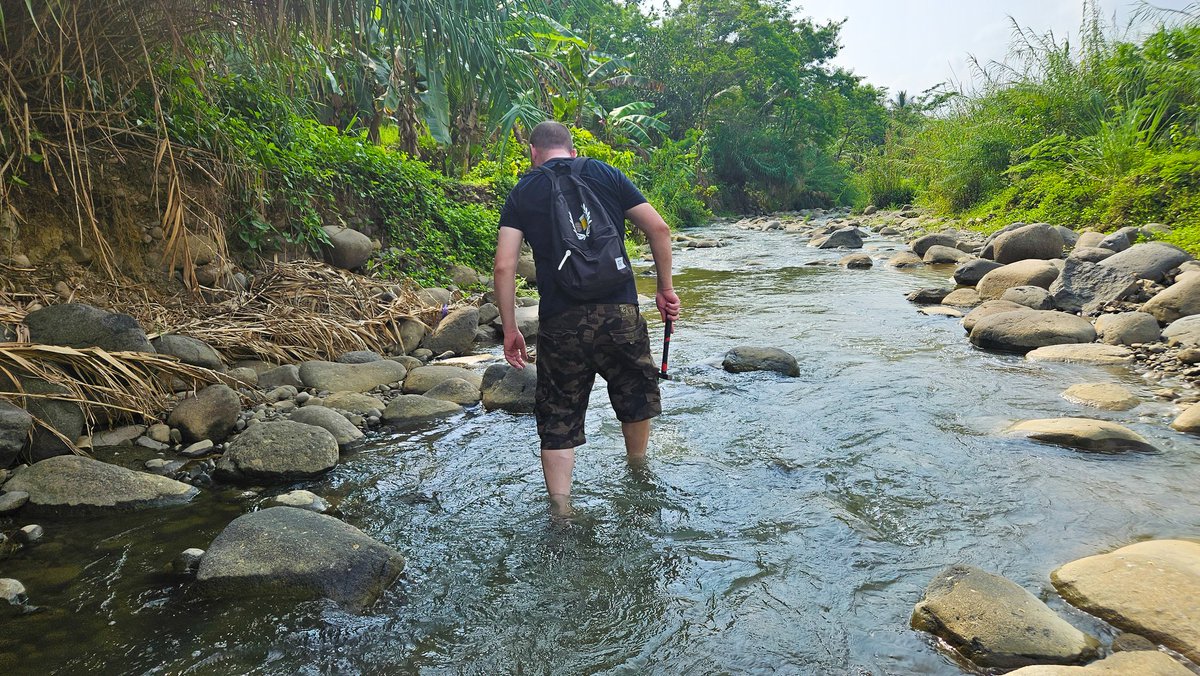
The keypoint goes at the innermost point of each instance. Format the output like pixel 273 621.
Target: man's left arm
pixel 647 219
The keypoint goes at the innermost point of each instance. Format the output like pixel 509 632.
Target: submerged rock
pixel 1084 353
pixel 1150 588
pixel 456 390
pixel 1084 434
pixel 1104 396
pixel 284 552
pixel 414 408
pixel 846 238
pixel 1120 664
pixel 1188 421
pixel 856 262
pixel 746 358
pixel 969 273
pixel 993 622
pixel 75 482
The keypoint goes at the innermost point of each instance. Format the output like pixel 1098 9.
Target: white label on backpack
pixel 620 263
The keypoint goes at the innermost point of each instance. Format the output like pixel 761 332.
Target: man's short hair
pixel 551 135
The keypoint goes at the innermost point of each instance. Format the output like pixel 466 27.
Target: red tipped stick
pixel 666 348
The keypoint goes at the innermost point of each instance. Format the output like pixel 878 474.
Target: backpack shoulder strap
pixel 577 166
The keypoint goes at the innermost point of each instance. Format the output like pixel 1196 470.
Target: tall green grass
pixel 1099 131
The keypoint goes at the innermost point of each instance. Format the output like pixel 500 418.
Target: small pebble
pixel 176 436
pixel 30 533
pixel 200 448
pixel 12 591
pixel 302 397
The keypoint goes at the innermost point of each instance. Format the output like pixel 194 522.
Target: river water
pixel 783 525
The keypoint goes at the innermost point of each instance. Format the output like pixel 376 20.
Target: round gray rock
pixel 79 325
pixel 921 245
pixel 988 308
pixel 421 380
pixel 846 238
pixel 1127 328
pixel 1104 396
pixel 354 402
pixel 1032 297
pixel 295 553
pixel 15 423
pixel 456 332
pixel 1083 353
pixel 965 297
pixel 1033 241
pixel 72 482
pixel 856 262
pixel 347 249
pixel 335 377
pixel 359 357
pixel 969 273
pixel 189 351
pixel 1030 272
pixel 509 389
pixel 944 255
pixel 211 414
pixel 288 374
pixel 278 451
pixel 1181 299
pixel 905 259
pixel 343 431
pixel 414 408
pixel 747 358
pixel 1149 260
pixel 995 623
pixel 300 499
pixel 1091 254
pixel 1185 331
pixel 456 390
pixel 1030 329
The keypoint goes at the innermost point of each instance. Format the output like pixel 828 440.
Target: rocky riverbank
pixel 1052 294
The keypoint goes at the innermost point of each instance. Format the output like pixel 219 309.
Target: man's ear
pixel 574 153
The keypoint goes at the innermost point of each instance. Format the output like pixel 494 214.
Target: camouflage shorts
pixel 573 347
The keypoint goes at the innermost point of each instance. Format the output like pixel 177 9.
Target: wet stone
pixel 12 501
pixel 29 534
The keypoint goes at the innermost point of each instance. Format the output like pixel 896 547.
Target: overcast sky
pixel 914 44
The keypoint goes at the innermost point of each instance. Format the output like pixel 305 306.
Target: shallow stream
pixel 782 526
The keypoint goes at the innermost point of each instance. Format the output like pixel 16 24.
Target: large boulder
pixel 415 408
pixel 1139 663
pixel 1185 332
pixel 1181 299
pixel 347 249
pixel 846 238
pixel 970 272
pixel 1150 260
pixel 424 378
pixel 80 325
pixel 15 425
pixel 1083 353
pixel 343 431
pixel 1086 287
pixel 285 552
pixel 747 358
pixel 1030 272
pixel 456 332
pixel 1034 241
pixel 1150 588
pixel 509 389
pixel 72 482
pixel 988 308
pixel 995 623
pixel 412 333
pixel 278 451
pixel 1030 329
pixel 211 414
pixel 189 351
pixel 921 245
pixel 334 377
pixel 1127 328
pixel 1085 434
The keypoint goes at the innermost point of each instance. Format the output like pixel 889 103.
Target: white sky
pixel 914 44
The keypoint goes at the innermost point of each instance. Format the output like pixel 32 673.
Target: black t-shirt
pixel 528 209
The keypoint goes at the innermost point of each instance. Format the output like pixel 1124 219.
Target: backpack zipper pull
pixel 564 260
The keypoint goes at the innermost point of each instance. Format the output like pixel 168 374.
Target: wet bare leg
pixel 557 466
pixel 637 435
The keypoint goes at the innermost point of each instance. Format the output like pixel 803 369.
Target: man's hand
pixel 668 304
pixel 514 349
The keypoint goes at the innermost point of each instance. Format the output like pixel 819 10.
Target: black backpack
pixel 589 247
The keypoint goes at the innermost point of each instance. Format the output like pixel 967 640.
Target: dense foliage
pixel 1101 135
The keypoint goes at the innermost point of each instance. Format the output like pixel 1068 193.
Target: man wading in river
pixel 578 339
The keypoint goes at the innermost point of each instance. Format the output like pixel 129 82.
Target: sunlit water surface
pixel 783 525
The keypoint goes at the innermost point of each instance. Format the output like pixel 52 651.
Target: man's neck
pixel 554 155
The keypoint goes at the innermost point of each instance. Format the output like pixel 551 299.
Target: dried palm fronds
pixel 108 386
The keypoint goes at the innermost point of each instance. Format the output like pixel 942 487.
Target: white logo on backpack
pixel 620 263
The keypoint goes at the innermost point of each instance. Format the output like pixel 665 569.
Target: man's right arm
pixel 647 219
pixel 508 250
